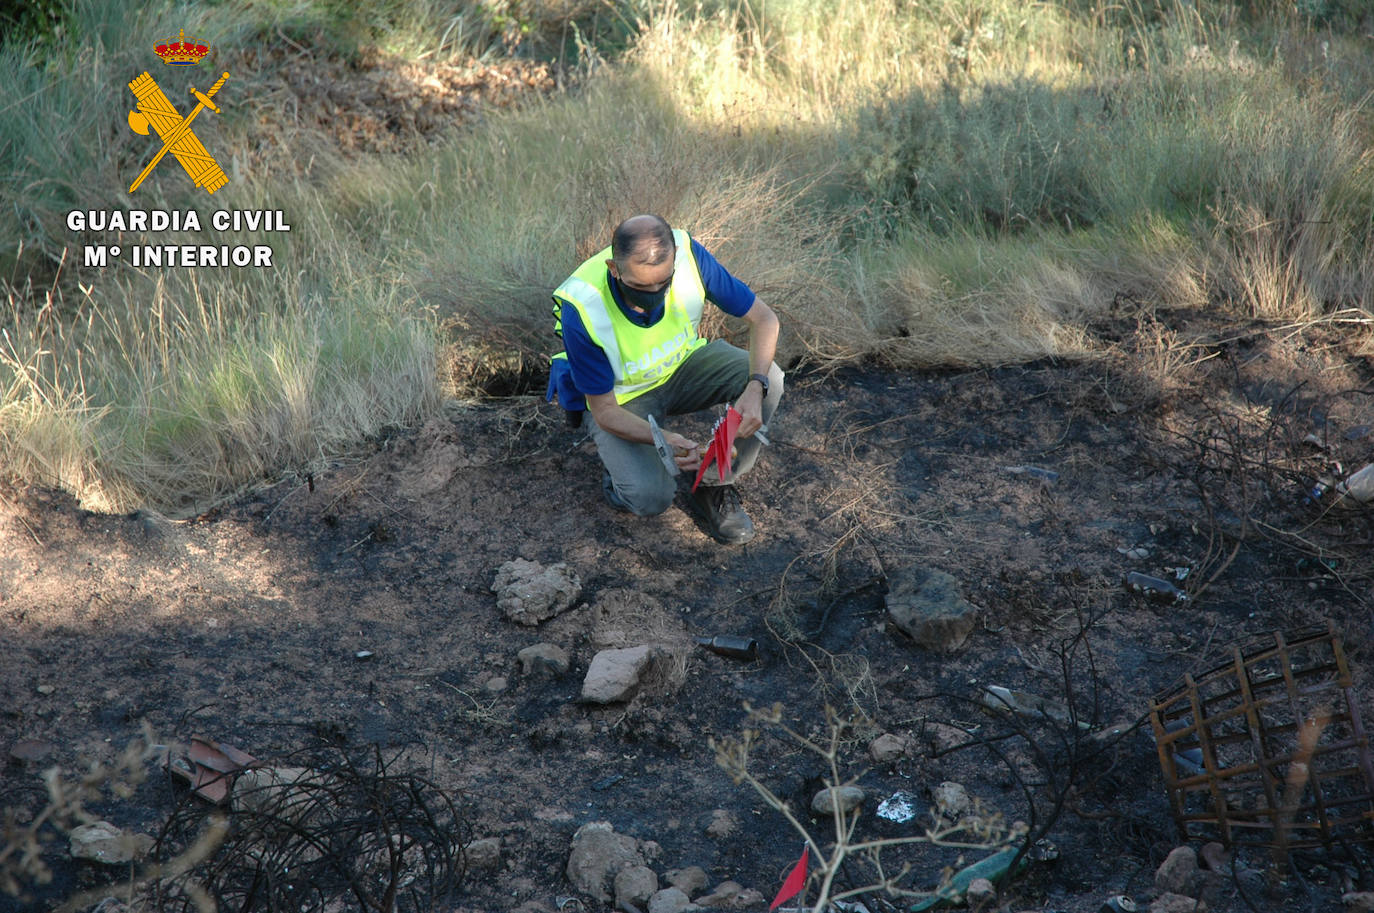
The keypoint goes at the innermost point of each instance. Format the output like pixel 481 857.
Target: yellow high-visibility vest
pixel 642 358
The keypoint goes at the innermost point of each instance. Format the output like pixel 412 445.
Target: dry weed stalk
pixel 1257 452
pixel 975 832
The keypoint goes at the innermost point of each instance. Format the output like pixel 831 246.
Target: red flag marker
pixel 795 881
pixel 718 451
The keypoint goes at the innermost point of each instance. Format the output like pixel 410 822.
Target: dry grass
pixel 956 184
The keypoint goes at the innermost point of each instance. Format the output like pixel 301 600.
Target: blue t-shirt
pixel 591 369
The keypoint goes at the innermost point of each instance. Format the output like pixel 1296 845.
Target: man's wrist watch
pixel 763 381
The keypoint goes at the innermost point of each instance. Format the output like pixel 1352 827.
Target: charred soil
pixel 1189 444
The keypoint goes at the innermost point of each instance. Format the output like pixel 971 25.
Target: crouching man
pixel 630 318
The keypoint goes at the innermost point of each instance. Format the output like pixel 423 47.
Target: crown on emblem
pixel 181 50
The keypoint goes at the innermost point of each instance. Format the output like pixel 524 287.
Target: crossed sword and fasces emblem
pixel 175 131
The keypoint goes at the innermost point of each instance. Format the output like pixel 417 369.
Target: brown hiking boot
pixel 722 515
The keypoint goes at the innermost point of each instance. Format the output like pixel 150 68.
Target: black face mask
pixel 645 301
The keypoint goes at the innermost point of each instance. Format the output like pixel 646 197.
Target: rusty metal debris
pixel 1269 748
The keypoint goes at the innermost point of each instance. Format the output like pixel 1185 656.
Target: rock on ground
pixel 889 747
pixel 670 900
pixel 598 855
pixel 103 842
pixel 543 659
pixel 951 800
pixel 846 798
pixel 483 854
pixel 528 593
pixel 690 881
pixel 1175 873
pixel 1177 903
pixel 614 674
pixel 634 885
pixel 927 605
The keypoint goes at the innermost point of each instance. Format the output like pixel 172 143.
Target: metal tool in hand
pixel 665 453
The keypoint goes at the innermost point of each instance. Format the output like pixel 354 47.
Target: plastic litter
pixel 1359 486
pixel 991 868
pixel 899 807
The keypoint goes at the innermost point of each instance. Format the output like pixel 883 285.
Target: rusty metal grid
pixel 1268 748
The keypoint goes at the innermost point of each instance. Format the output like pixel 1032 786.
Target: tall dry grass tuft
pixel 508 212
pixel 177 388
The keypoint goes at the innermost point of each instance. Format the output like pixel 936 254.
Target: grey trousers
pixel 715 373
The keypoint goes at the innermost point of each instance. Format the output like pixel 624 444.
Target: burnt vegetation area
pixel 354 606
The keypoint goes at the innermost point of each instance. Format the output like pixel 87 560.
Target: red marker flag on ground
pixel 796 880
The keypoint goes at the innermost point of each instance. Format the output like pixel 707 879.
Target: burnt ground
pixel 1185 441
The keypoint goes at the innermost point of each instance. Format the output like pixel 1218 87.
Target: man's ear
pixel 610 265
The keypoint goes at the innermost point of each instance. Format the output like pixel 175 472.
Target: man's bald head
pixel 645 240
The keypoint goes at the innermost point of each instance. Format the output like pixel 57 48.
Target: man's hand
pixel 686 453
pixel 750 409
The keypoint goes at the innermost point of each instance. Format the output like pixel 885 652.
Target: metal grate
pixel 1268 748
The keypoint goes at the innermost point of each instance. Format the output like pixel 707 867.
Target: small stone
pixel 846 798
pixel 980 894
pixel 634 885
pixel 31 749
pixel 103 842
pixel 723 895
pixel 46 689
pixel 723 824
pixel 748 899
pixel 1358 902
pixel 927 606
pixel 1177 903
pixel 690 881
pixel 1213 856
pixel 614 674
pixel 543 659
pixel 888 747
pixel 951 800
pixel 670 900
pixel 1175 873
pixel 483 854
pixel 496 684
pixel 942 737
pixel 598 854
pixel 528 593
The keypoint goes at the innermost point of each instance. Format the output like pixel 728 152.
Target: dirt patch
pixel 245 624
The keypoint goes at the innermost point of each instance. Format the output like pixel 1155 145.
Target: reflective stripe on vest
pixel 641 358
